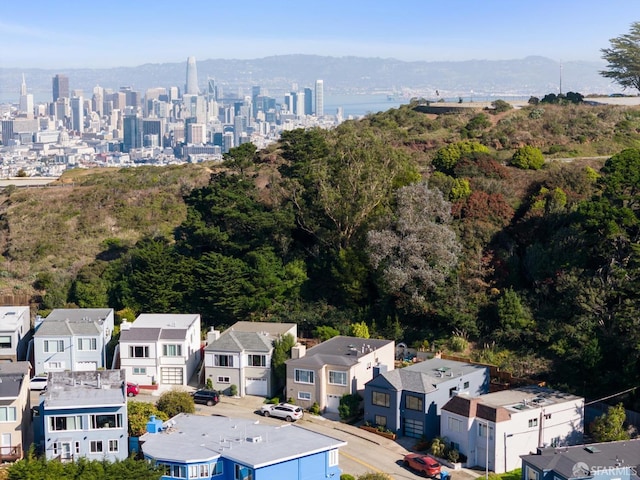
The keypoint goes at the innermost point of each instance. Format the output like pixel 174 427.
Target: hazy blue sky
pixel 88 33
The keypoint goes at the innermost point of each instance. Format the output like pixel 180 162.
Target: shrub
pixel 453 455
pixel 209 384
pixel 349 406
pixel 500 106
pixel 174 402
pixel 438 447
pixel 346 476
pixel 233 390
pixel 528 157
pixel 458 343
pixel 314 409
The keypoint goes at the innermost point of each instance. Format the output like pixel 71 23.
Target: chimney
pixel 154 425
pixel 125 325
pixel 298 351
pixel 212 335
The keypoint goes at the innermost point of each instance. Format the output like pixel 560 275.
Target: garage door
pixel 333 402
pixel 256 386
pixel 171 376
pixel 413 428
pixel 86 366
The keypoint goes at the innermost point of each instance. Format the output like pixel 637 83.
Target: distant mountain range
pixel 342 75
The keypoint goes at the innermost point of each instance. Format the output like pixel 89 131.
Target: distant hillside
pixel 528 76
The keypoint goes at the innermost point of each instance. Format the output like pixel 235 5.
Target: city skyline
pixel 43 35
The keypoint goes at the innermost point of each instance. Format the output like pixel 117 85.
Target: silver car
pixel 287 411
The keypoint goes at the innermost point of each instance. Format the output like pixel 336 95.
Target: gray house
pixel 15 333
pixel 408 400
pixel 241 356
pixel 72 339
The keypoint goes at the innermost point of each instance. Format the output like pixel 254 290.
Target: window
pixel 87 344
pixel 304 395
pixel 303 376
pixel 466 385
pixel 77 447
pixel 413 403
pixel 172 350
pixel 216 468
pixel 223 360
pixel 453 391
pixel 138 351
pixel 139 370
pixel 178 471
pixel 114 445
pixel 334 457
pixel 533 422
pixel 224 380
pixel 54 365
pixel 5 341
pixel 70 422
pixel 199 471
pixel 257 360
pixel 531 473
pixel 53 346
pixel 547 416
pixel 96 446
pixel 337 378
pixel 7 414
pixel 242 473
pixel 380 399
pixel 455 424
pixel 380 420
pixel 482 431
pixel 109 420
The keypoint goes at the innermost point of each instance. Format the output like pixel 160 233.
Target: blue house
pixel 408 400
pixel 83 414
pixel 220 448
pixel 596 461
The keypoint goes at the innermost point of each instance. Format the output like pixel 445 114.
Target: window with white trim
pixel 337 378
pixel 304 395
pixel 533 422
pixel 216 468
pixel 482 431
pixel 106 420
pixel 334 457
pixel 223 360
pixel 87 344
pixel 114 446
pixel 224 380
pixel 257 360
pixel 178 471
pixel 65 422
pixel 7 414
pixel 53 346
pixel 138 351
pixel 139 370
pixel 380 399
pixel 304 376
pixel 54 365
pixel 5 341
pixel 242 473
pixel 96 446
pixel 171 350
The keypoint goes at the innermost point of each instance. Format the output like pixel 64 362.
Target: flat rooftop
pixel 165 320
pixel 196 438
pixel 525 398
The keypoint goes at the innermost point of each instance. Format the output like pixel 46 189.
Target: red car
pixel 423 464
pixel 132 389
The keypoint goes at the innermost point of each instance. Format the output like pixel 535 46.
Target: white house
pixel 15 328
pixel 73 339
pixel 497 428
pixel 241 356
pixel 162 349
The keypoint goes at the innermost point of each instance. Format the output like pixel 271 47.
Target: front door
pixel 65 451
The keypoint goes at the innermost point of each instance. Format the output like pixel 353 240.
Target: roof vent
pixel 257 439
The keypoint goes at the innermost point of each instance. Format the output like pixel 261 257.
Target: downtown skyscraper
pixel 191 87
pixel 60 85
pixel 319 98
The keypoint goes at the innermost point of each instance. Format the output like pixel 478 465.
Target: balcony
pixel 10 454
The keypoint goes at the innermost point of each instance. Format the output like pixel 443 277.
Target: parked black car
pixel 207 397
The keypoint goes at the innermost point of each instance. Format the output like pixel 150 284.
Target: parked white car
pixel 289 412
pixel 38 383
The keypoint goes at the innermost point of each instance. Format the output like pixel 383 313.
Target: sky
pixel 91 34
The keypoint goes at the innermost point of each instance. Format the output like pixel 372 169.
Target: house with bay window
pixel 336 367
pixel 83 414
pixel 408 400
pixel 160 349
pixel 220 448
pixel 241 356
pixel 73 339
